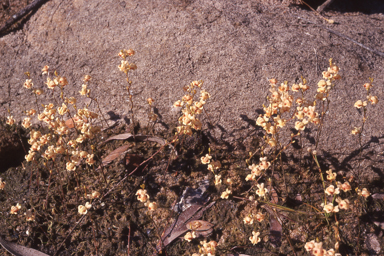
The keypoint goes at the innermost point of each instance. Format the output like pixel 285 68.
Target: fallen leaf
pixel 142 138
pixel 114 154
pixel 19 250
pixel 378 196
pixel 176 229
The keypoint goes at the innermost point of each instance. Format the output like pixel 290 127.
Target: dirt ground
pixel 235 47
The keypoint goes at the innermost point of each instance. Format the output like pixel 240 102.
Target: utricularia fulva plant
pixel 69 127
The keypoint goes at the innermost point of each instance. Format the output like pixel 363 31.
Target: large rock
pixel 234 46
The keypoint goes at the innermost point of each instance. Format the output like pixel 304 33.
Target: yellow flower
pixel 260 216
pixel 261 191
pixel 343 204
pixel 360 104
pixel 49 153
pixel 318 249
pixel 10 120
pixel 356 130
pixel 214 165
pixel 31 112
pixel 206 159
pixel 30 156
pixel 250 177
pixel 70 166
pixel 273 81
pixel 217 180
pixel 321 84
pixel 295 87
pixel 84 91
pixel 255 239
pixel 309 245
pixel 255 169
pixel 142 195
pixel 264 164
pixel 248 220
pixel 45 70
pixel 373 99
pixel 152 206
pixel 15 209
pixel 90 161
pixel 150 101
pixel 226 194
pixel 50 83
pixel 82 209
pixel 178 104
pixel 95 194
pixel 88 205
pixel 262 120
pixel 189 236
pixel 35 146
pixel 304 87
pixel 345 186
pixel 365 193
pixel 205 95
pixel 196 84
pixel 63 81
pixel 300 125
pixel 71 100
pixel 28 84
pixel 331 175
pixel 26 122
pixel 328 208
pixel 2 184
pixel 367 86
pixel 331 190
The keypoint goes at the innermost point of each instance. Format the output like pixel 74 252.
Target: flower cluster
pixel 83 209
pixel 316 249
pixel 143 197
pixel 10 120
pixel 125 66
pixel 93 195
pixel 212 165
pixel 363 104
pixel 58 141
pixel 15 209
pixel 251 217
pixel 257 170
pixel 207 248
pixel 281 101
pixel 255 239
pixel 191 108
pixel 331 190
pixel 261 191
pixel 225 194
pixel 364 192
pixel 189 236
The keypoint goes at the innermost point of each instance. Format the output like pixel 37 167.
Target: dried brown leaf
pixel 194 212
pixel 142 138
pixel 115 154
pixel 19 250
